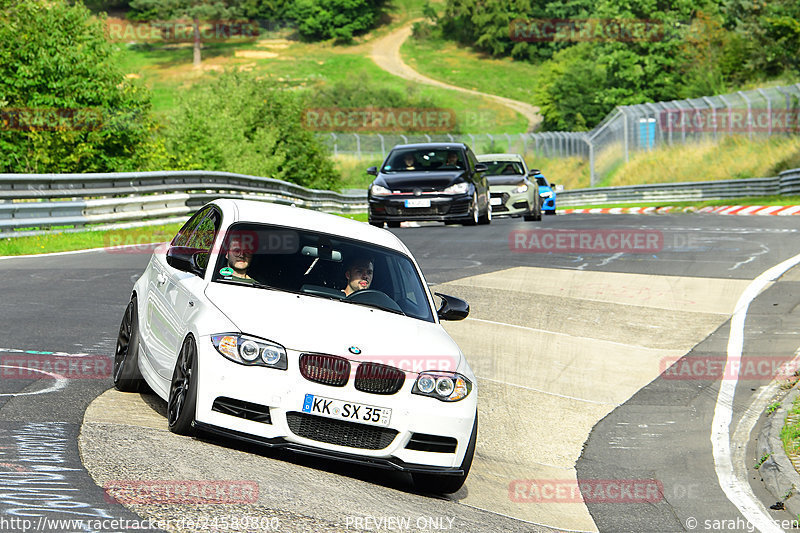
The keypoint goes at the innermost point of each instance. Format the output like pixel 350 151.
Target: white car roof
pixel 298 217
pixel 501 157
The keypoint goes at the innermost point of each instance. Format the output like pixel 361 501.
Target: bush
pixel 334 19
pixel 239 123
pixel 60 74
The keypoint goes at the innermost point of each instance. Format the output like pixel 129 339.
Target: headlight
pixel 522 188
pixel 250 351
pixel 458 188
pixel 546 194
pixel 444 386
pixel 377 190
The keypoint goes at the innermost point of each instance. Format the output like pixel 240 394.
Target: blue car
pixel 547 192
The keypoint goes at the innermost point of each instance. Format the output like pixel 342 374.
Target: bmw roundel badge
pixel 355 350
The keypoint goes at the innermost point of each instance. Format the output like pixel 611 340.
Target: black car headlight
pixel 247 350
pixel 444 386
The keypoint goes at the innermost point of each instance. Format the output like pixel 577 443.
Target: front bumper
pixel 511 204
pixel 549 204
pixel 443 208
pixel 282 393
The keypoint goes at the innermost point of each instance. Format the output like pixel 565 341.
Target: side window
pixel 472 159
pixel 203 235
pixel 186 231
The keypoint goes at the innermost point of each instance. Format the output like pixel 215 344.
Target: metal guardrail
pixel 33 203
pixel 786 183
pixel 30 205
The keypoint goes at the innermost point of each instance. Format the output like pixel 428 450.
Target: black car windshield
pixel 504 168
pixel 320 265
pixel 422 160
pixel 541 181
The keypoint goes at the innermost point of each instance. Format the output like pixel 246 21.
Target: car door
pixel 176 288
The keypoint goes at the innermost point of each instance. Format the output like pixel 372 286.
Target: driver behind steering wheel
pixel 358 273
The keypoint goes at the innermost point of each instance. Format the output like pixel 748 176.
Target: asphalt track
pixel 569 348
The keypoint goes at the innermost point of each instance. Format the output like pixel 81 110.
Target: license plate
pixel 496 201
pixel 418 202
pixel 354 412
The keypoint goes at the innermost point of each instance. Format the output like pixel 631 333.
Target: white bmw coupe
pixel 306 331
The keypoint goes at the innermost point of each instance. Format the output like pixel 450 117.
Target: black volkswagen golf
pixel 432 181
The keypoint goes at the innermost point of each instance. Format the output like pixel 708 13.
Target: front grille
pixel 460 209
pixel 434 210
pixel 240 409
pixel 326 369
pixel 379 379
pixel 339 432
pixel 432 443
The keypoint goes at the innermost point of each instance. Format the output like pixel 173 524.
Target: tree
pixel 337 19
pixel 195 10
pixel 65 104
pixel 239 123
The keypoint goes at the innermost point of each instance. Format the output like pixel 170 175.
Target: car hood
pixel 319 325
pixel 424 180
pixel 506 179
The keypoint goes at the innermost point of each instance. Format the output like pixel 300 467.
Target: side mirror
pixel 557 188
pixel 373 171
pixel 532 172
pixel 480 167
pixel 452 308
pixel 187 259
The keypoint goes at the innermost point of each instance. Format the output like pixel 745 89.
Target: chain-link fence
pixel 553 144
pixel 626 130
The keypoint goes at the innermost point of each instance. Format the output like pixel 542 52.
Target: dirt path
pixel 386 54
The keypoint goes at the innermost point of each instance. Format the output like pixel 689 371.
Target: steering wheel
pixel 374 297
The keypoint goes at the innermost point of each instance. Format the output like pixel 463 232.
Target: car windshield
pixel 504 168
pixel 541 181
pixel 320 265
pixel 421 160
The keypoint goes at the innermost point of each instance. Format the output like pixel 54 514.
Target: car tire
pixel 486 218
pixel 393 224
pixel 182 402
pixel 473 218
pixel 534 216
pixel 441 484
pixel 376 224
pixel 127 377
pixel 550 212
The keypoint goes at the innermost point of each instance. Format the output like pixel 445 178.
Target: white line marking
pixel 547 392
pixel 60 383
pixel 558 333
pixel 737 490
pixel 73 252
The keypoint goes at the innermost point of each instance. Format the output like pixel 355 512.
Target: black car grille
pixel 460 208
pixel 326 369
pixel 339 432
pixel 441 209
pixel 241 409
pixel 379 379
pixel 432 443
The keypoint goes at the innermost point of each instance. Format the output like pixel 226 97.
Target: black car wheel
pixel 535 215
pixel 127 377
pixel 393 224
pixel 183 390
pixel 473 213
pixel 376 224
pixel 487 217
pixel 442 484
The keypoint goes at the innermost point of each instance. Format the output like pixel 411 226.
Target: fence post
pixel 730 114
pixel 358 145
pixel 592 179
pixel 769 111
pixel 707 100
pixel 625 130
pixel 749 114
pixel 335 145
pixel 383 146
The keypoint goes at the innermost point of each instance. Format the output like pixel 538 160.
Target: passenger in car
pixel 239 259
pixel 453 159
pixel 358 273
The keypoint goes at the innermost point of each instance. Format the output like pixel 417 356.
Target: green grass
pixel 84 240
pixel 790 433
pixel 168 70
pixel 458 65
